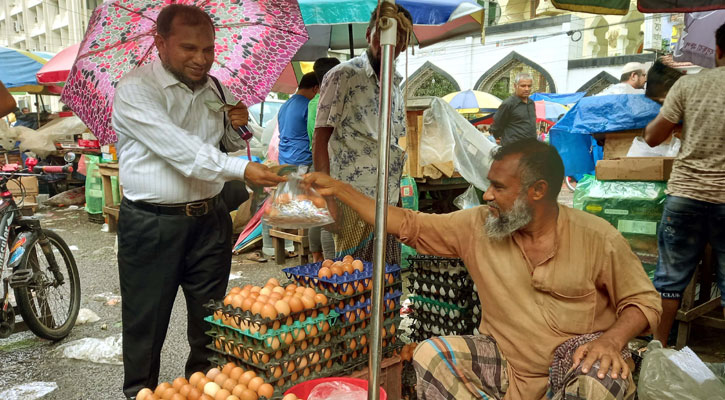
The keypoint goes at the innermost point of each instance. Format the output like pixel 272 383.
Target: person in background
pixel 632 80
pixel 694 212
pixel 321 67
pixel 561 291
pixel 174 229
pixel 515 118
pixel 294 142
pixel 346 135
pixel 7 101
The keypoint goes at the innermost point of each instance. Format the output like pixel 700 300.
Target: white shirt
pixel 168 139
pixel 349 103
pixel 621 88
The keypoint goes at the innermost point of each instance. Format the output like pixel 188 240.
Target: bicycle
pixel 41 269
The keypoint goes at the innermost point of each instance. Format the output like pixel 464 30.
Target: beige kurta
pixel 591 276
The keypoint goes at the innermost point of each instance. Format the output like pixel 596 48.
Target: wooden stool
pixel 300 239
pixel 695 311
pixel 110 209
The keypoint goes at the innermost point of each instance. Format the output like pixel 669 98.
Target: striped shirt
pixel 168 139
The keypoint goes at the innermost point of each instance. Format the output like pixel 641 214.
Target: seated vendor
pixel 561 291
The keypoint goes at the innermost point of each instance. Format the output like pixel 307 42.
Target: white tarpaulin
pixel 447 136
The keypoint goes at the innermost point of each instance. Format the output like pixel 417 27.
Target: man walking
pixel 174 230
pixel 515 118
pixel 694 213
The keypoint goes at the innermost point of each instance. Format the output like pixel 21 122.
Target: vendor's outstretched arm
pixel 363 205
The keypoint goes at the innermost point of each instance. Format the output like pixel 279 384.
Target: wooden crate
pixel 391 372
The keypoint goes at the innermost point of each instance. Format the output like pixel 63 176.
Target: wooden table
pixel 696 309
pixel 110 209
pixel 299 237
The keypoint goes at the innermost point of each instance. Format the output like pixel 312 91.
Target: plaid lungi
pixel 355 237
pixel 472 367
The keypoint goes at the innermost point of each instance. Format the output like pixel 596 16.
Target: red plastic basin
pixel 302 390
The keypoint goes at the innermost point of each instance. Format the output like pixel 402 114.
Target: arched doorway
pixel 430 80
pixel 499 79
pixel 600 82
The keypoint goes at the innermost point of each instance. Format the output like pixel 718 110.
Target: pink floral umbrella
pixel 255 40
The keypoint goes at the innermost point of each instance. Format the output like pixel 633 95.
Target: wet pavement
pixel 24 358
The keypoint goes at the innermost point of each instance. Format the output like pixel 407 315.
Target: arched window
pixel 499 79
pixel 600 82
pixel 429 80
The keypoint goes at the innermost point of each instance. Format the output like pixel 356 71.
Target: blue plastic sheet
pixel 571 136
pixel 561 98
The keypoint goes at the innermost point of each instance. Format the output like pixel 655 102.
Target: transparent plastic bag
pixel 640 148
pixel 102 351
pixel 467 199
pixel 295 206
pixel 668 374
pixel 337 391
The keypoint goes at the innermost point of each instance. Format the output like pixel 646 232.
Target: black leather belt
pixel 192 209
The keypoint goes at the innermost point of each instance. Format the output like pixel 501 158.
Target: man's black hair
pixel 720 38
pixel 308 81
pixel 539 161
pixel 660 79
pixel 188 15
pixel 323 65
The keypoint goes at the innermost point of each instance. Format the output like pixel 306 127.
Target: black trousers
pixel 157 254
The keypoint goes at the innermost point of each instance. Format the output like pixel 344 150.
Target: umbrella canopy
pixel 668 6
pixel 18 68
pixel 341 24
pixel 548 110
pixel 56 70
pixel 561 98
pixel 472 101
pixel 255 40
pixel 697 44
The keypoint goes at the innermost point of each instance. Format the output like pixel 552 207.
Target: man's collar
pixel 370 72
pixel 167 79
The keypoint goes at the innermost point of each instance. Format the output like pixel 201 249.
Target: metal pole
pixel 352 41
pixel 387 43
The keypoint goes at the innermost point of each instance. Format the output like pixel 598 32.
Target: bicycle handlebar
pixel 53 169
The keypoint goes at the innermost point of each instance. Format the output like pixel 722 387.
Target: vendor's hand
pixel 607 352
pixel 238 115
pixel 261 175
pixel 324 184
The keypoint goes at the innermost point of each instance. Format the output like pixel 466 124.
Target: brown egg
pixel 246 377
pixel 212 373
pixel 248 394
pixel 348 259
pixel 161 388
pixel 324 272
pixel 358 265
pixel 238 390
pixel 255 289
pixel 247 304
pixel 143 394
pixel 211 388
pixel 222 394
pixel 327 263
pixel 229 384
pixel 228 299
pixel 232 397
pixel 221 378
pixel 282 308
pixel 273 282
pixel 202 382
pixel 296 305
pixel 320 298
pixel 263 298
pixel 255 383
pixel 235 373
pixel 168 393
pixel 178 383
pixel 268 311
pixel 237 300
pixel 348 268
pixel 257 307
pixel 266 390
pixel 205 397
pixel 308 302
pixel 177 396
pixel 337 270
pixel 194 394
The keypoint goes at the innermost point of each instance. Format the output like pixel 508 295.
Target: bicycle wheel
pixel 48 308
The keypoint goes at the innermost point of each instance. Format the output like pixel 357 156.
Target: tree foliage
pixel 436 85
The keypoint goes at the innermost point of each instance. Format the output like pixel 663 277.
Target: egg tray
pixel 425 285
pixel 336 298
pixel 460 279
pixel 387 316
pixel 361 311
pixel 356 364
pixel 422 261
pixel 266 340
pixel 267 370
pixel 423 304
pixel 219 361
pixel 261 323
pixel 308 275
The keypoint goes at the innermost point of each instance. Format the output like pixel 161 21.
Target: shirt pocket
pixel 570 311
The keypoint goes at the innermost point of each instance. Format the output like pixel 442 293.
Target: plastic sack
pixel 337 391
pixel 294 206
pixel 447 136
pixel 86 316
pixel 102 351
pixel 467 199
pixel 75 196
pixel 640 148
pixel 670 374
pixel 28 391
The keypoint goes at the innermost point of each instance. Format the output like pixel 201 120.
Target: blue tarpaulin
pixel 561 98
pixel 571 136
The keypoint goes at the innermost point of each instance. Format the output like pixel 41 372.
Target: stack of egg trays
pixel 345 284
pixel 443 315
pixel 283 361
pixel 429 286
pixel 354 357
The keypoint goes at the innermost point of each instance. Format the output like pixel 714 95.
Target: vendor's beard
pixel 508 222
pixel 191 84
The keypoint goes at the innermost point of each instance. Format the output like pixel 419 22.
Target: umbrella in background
pixel 18 68
pixel 255 40
pixel 670 6
pixel 548 111
pixel 697 44
pixel 56 70
pixel 561 98
pixel 472 101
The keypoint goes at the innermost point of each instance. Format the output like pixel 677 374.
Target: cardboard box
pixel 29 183
pixel 617 144
pixel 635 169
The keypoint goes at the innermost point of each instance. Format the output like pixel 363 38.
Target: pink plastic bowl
pixel 302 390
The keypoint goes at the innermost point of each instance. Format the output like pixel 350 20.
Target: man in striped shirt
pixel 173 228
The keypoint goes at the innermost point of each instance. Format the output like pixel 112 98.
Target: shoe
pixel 256 256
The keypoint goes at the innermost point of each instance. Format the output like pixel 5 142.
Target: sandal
pixel 257 256
pixel 291 254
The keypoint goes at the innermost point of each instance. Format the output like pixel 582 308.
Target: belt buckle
pixel 197 209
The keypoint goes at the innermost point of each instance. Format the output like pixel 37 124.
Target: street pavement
pixel 24 358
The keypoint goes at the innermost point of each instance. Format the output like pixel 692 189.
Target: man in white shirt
pixel 173 229
pixel 632 81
